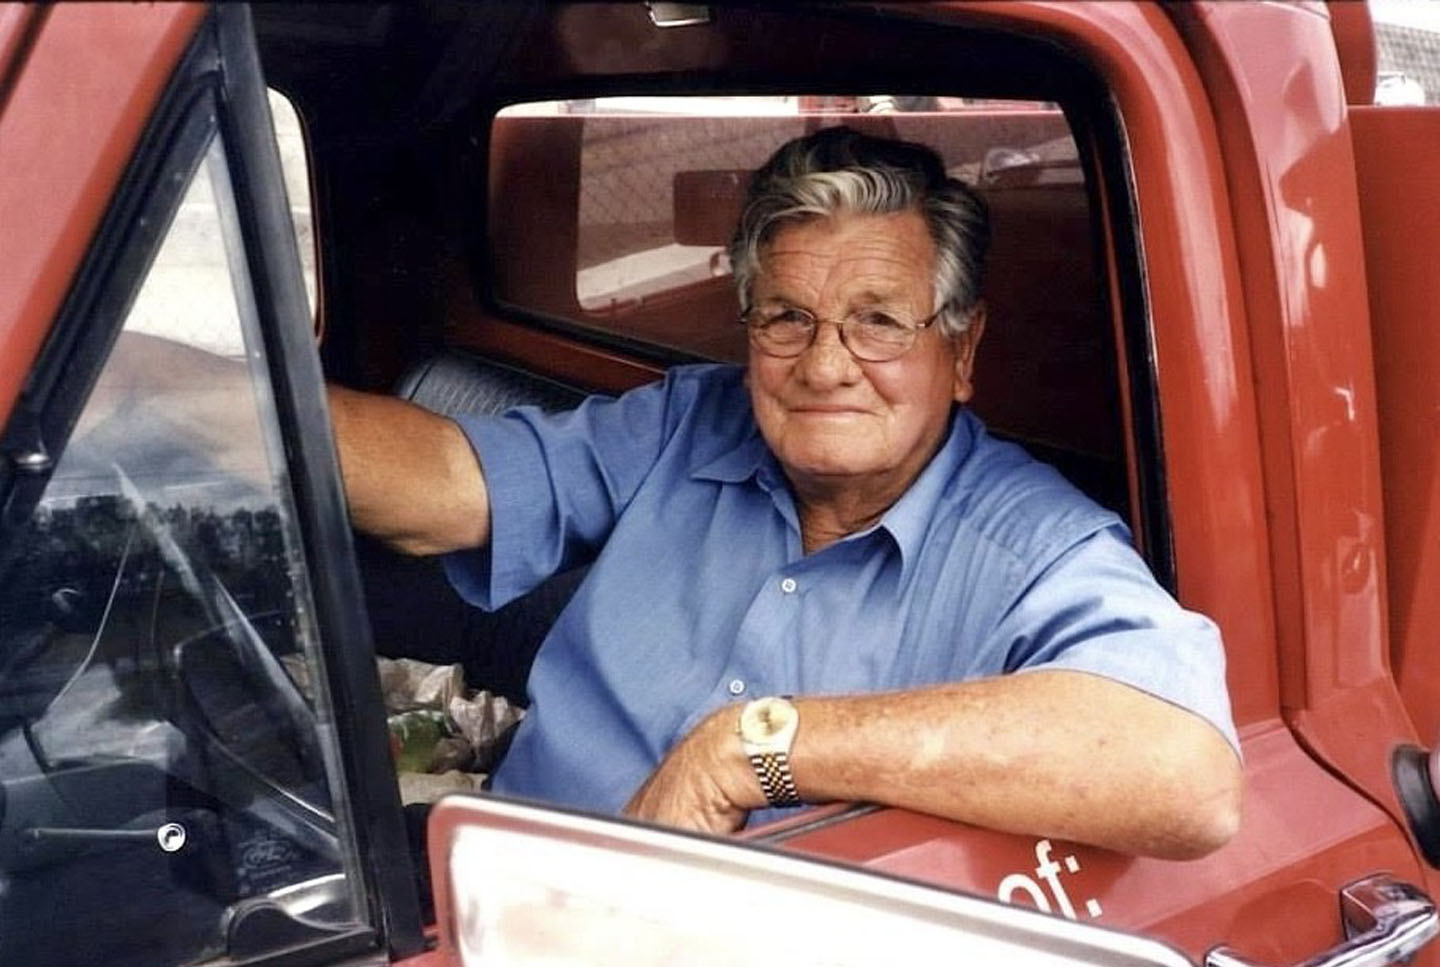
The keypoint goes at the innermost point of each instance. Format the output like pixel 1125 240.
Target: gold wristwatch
pixel 767 731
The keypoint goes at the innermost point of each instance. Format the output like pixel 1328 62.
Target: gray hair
pixel 841 171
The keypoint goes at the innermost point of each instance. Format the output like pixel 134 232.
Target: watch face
pixel 766 718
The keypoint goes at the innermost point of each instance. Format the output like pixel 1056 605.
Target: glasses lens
pixel 781 332
pixel 878 336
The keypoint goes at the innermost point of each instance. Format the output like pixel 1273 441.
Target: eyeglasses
pixel 871 335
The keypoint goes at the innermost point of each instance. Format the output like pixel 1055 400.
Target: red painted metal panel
pixel 1354 34
pixel 1286 137
pixel 1294 115
pixel 17 20
pixel 69 126
pixel 1275 870
pixel 1394 156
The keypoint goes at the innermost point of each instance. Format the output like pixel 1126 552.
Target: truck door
pixel 183 772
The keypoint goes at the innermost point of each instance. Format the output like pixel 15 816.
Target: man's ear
pixel 965 345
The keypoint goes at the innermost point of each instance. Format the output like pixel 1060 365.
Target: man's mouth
pixel 826 409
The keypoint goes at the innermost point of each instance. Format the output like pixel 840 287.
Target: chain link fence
pixel 1408 59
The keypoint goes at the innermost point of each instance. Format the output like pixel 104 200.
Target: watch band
pixel 776 782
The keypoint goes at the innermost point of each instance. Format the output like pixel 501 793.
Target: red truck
pixel 1212 303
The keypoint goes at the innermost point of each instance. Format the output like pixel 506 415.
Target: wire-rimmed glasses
pixel 872 335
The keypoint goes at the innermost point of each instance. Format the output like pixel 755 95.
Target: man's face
pixel 835 422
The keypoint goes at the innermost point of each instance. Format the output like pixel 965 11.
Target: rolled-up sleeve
pixel 1095 608
pixel 556 485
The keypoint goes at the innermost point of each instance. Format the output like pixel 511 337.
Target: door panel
pixel 1303 837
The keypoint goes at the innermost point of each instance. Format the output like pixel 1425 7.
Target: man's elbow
pixel 1204 803
pixel 420 543
pixel 416 546
pixel 1208 826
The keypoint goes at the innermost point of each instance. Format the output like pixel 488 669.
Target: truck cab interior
pixel 509 209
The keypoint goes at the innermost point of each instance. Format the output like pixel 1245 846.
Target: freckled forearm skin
pixel 1049 753
pixel 411 478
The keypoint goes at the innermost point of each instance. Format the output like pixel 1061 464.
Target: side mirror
pixel 1414 772
pixel 520 884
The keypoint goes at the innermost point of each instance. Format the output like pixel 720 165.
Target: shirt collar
pixel 739 463
pixel 908 520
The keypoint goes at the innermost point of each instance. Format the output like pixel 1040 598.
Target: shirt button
pixel 788 585
pixel 736 686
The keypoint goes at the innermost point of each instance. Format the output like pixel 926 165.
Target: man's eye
pixel 874 319
pixel 787 317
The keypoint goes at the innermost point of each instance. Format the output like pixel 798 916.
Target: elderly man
pixel 817 578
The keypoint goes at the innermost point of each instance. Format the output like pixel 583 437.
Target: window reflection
pixel 160 762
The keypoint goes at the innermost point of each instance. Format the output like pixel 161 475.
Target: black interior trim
pixel 1157 536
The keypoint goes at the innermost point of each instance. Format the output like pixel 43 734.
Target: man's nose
pixel 827 360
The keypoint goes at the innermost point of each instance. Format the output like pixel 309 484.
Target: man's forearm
pixel 1046 753
pixel 1056 753
pixel 411 478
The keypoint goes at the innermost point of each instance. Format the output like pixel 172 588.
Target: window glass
pixel 1407 40
pixel 171 790
pixel 658 184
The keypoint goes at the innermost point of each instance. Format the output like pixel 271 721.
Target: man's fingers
pixel 684 801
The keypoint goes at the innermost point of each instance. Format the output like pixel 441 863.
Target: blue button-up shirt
pixel 701 595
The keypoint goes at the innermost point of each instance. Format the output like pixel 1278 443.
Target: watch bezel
pixel 757 726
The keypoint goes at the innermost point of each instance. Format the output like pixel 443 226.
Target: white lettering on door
pixel 1047 874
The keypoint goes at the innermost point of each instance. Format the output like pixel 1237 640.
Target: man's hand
pixel 705 782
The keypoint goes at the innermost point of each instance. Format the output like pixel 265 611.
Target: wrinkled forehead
pixel 857 258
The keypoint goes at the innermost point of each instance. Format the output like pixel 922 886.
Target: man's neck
pixel 832 507
pixel 829 517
